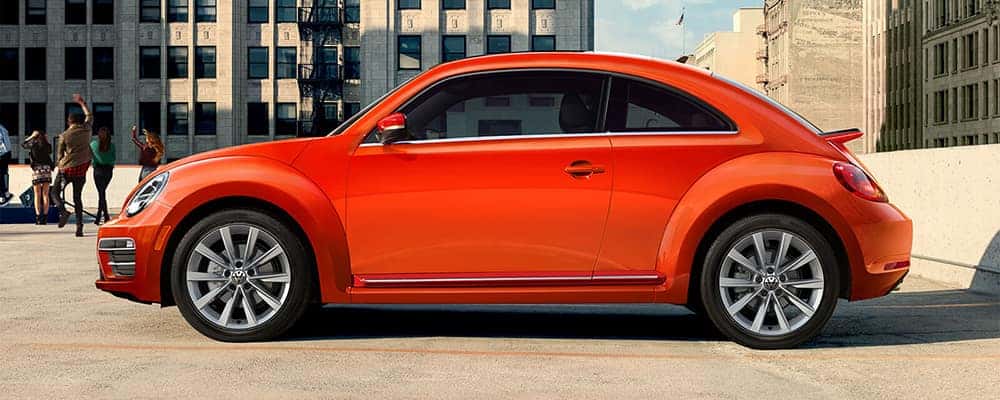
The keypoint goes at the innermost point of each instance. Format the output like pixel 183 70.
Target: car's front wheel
pixel 241 275
pixel 770 281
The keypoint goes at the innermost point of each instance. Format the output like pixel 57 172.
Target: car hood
pixel 284 151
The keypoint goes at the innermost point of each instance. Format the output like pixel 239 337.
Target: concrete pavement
pixel 62 338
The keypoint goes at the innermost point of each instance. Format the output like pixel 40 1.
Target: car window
pixel 640 107
pixel 507 104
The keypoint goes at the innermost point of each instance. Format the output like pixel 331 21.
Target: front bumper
pixel 148 231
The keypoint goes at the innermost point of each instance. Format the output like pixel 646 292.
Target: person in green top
pixel 104 164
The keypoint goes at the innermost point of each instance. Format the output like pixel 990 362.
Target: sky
pixel 649 27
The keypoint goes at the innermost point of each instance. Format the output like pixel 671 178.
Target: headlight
pixel 146 194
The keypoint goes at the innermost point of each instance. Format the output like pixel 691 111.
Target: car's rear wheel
pixel 241 275
pixel 770 281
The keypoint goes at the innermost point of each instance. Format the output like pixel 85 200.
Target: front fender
pixel 202 182
pixel 804 179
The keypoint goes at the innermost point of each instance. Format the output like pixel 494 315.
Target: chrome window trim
pixel 554 136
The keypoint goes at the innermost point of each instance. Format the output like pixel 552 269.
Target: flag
pixel 680 21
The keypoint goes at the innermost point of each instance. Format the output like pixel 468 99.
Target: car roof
pixel 600 61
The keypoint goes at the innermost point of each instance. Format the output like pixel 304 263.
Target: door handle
pixel 583 169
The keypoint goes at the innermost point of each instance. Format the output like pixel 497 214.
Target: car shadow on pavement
pixel 898 319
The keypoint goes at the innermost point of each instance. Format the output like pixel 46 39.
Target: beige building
pixel 814 60
pixel 893 84
pixel 735 54
pixel 961 89
pixel 215 73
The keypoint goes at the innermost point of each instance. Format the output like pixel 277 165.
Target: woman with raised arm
pixel 150 152
pixel 104 166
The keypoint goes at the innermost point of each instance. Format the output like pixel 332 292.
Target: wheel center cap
pixel 770 282
pixel 238 277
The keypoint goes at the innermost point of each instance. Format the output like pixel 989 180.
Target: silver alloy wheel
pixel 771 282
pixel 238 276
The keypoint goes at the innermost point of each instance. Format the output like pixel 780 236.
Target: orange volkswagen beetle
pixel 522 178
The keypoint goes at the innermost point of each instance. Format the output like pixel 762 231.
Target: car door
pixel 663 140
pixel 505 176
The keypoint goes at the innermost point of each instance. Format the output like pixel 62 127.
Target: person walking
pixel 74 161
pixel 40 154
pixel 5 156
pixel 150 153
pixel 104 164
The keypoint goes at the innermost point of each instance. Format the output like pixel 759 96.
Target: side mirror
pixel 392 129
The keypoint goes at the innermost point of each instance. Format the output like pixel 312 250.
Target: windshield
pixel 350 121
pixel 772 102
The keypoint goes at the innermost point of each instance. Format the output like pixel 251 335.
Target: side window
pixel 507 104
pixel 640 107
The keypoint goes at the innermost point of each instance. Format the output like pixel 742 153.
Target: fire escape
pixel 320 81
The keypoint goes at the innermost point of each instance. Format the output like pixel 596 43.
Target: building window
pixel 34 117
pixel 543 43
pixel 257 59
pixel 8 116
pixel 453 4
pixel 103 12
pixel 75 62
pixel 177 11
pixel 34 14
pixel 177 119
pixel 970 43
pixel 103 59
pixel 257 12
pixel 9 13
pixel 970 101
pixel 452 48
pixel 352 62
pixel 149 63
pixel 996 97
pixel 940 107
pixel 954 55
pixel 104 116
pixel 498 4
pixel 543 4
pixel 954 104
pixel 34 63
pixel 204 62
pixel 149 117
pixel 496 44
pixel 149 11
pixel 257 119
pixel 9 64
pixel 326 61
pixel 286 11
pixel 352 11
pixel 940 58
pixel 205 11
pixel 76 12
pixel 286 121
pixel 409 52
pixel 204 119
pixel 409 4
pixel 350 109
pixel 986 99
pixel 177 62
pixel 286 63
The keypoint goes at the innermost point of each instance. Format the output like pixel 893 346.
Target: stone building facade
pixel 214 73
pixel 402 37
pixel 814 60
pixel 894 77
pixel 961 89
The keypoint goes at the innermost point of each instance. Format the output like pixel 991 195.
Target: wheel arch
pixel 268 186
pixel 769 206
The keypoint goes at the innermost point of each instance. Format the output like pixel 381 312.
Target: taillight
pixel 858 182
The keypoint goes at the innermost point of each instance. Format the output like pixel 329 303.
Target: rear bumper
pixel 884 237
pixel 149 234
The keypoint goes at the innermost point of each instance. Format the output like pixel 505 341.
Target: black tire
pixel 711 296
pixel 300 285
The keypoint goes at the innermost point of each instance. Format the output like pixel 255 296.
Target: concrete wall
pixel 953 197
